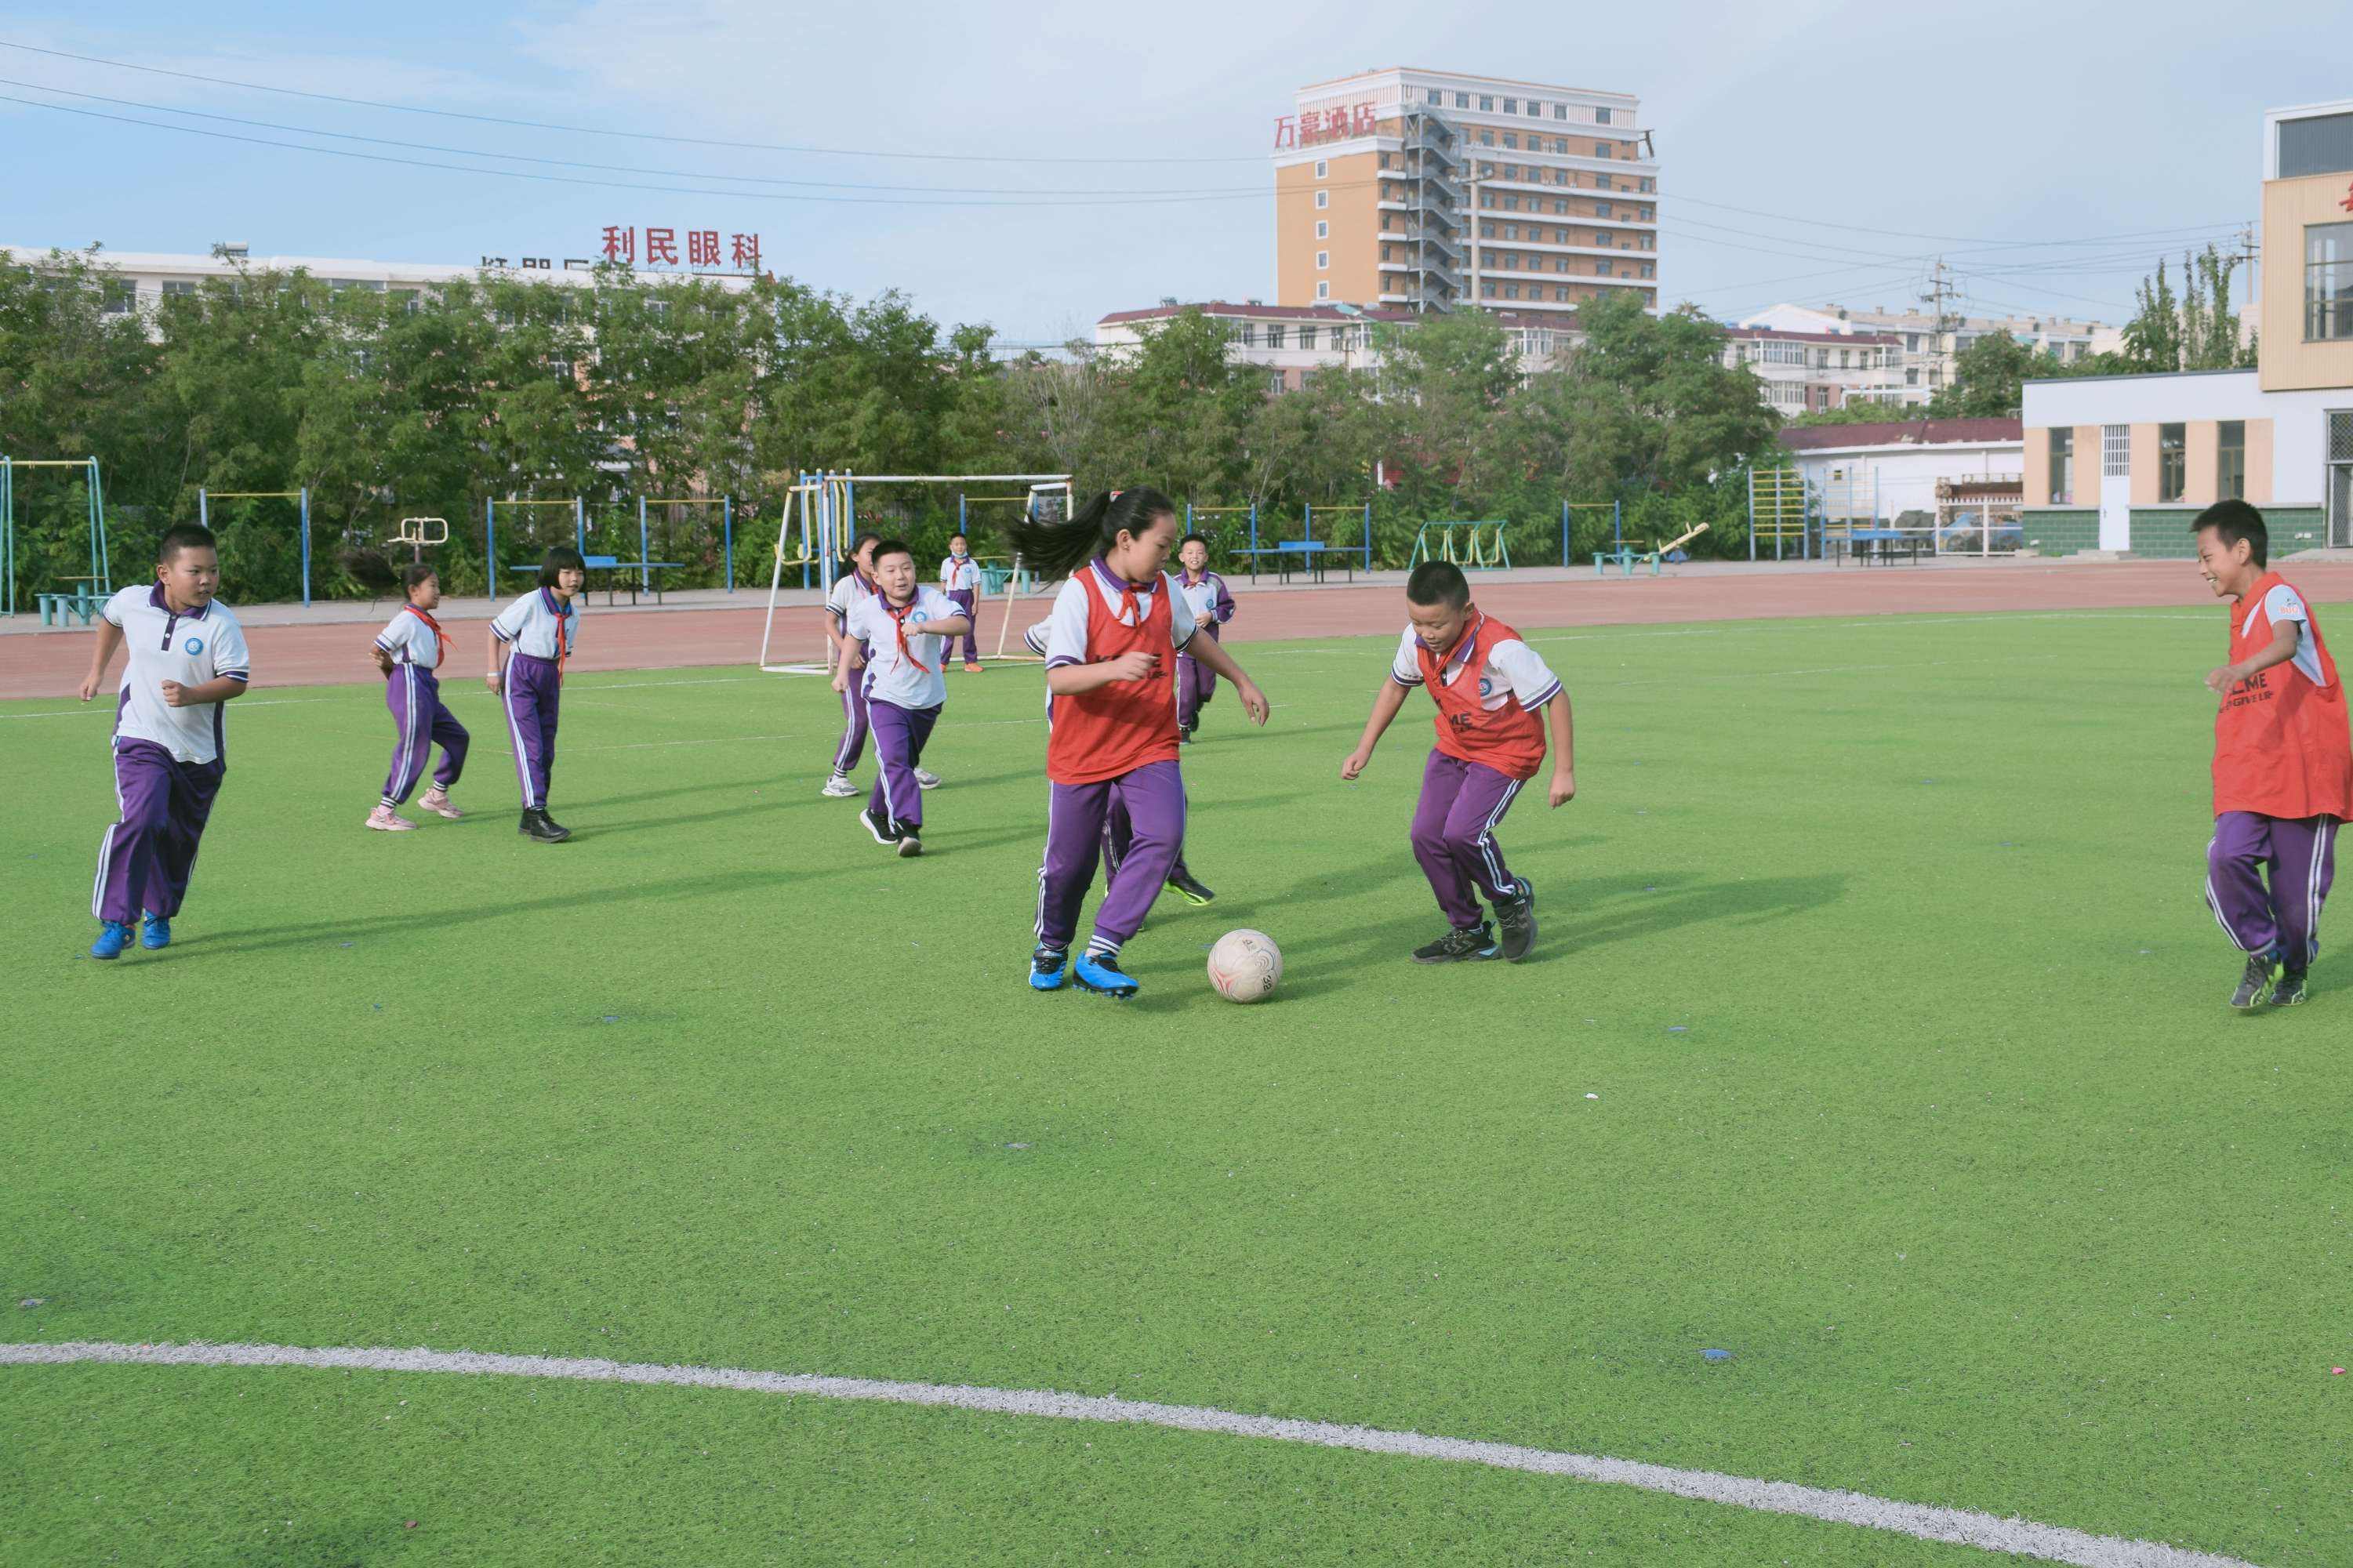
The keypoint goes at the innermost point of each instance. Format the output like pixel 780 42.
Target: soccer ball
pixel 1245 966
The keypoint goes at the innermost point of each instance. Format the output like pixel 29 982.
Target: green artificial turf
pixel 1881 944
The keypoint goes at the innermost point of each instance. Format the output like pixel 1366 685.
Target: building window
pixel 1647 270
pixel 1323 169
pixel 1323 261
pixel 1486 139
pixel 1911 378
pixel 1604 183
pixel 1486 104
pixel 1323 200
pixel 1535 110
pixel 1323 289
pixel 1462 101
pixel 1602 209
pixel 1511 106
pixel 1601 149
pixel 2063 465
pixel 2328 280
pixel 1511 290
pixel 1511 139
pixel 1561 295
pixel 1600 117
pixel 1274 334
pixel 1911 343
pixel 2230 461
pixel 2316 144
pixel 121 298
pixel 1306 337
pixel 1249 334
pixel 1322 229
pixel 2172 467
pixel 1601 237
pixel 1511 204
pixel 1605 268
pixel 1486 231
pixel 1561 208
pixel 174 289
pixel 1487 289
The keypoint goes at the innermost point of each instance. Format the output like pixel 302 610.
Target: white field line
pixel 2051 1543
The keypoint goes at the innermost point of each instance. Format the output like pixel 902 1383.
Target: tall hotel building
pixel 1430 191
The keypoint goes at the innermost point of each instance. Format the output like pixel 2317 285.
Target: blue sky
pixel 1810 150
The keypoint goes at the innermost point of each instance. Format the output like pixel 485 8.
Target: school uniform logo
pixel 1486 686
pixel 192 647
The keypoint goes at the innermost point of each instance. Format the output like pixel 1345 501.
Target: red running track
pixel 52 664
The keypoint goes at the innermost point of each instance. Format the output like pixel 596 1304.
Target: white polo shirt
pixel 410 640
pixel 534 624
pixel 1514 669
pixel 889 676
pixel 167 645
pixel 1066 629
pixel 959 576
pixel 2285 603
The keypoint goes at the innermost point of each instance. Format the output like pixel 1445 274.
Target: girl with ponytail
pixel 1110 655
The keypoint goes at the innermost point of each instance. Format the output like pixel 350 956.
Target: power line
pixel 600 129
pixel 606 184
pixel 610 168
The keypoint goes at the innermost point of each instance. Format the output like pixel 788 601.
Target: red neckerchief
pixel 898 613
pixel 1128 608
pixel 440 638
pixel 563 628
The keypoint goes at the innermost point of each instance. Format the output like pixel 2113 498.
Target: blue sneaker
pixel 1104 977
pixel 1048 967
pixel 113 936
pixel 155 932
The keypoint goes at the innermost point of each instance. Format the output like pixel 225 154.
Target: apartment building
pixel 1431 190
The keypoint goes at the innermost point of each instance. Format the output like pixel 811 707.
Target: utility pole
pixel 1940 291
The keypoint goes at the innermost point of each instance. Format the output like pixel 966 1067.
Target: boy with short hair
pixel 410 651
pixel 188 659
pixel 897 673
pixel 2283 761
pixel 1489 687
pixel 1211 606
pixel 960 581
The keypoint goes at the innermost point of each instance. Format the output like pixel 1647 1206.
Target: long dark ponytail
pixel 1057 549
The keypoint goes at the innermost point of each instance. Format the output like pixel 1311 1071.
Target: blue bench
pixel 1311 554
pixel 647 574
pixel 83 600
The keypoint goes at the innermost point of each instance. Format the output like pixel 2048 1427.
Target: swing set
pixel 90 591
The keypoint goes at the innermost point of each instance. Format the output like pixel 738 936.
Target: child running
pixel 960 581
pixel 529 641
pixel 1488 686
pixel 187 662
pixel 1111 643
pixel 849 590
pixel 900 679
pixel 1119 830
pixel 2283 761
pixel 410 651
pixel 1211 607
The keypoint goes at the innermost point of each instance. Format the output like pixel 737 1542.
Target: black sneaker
pixel 2255 984
pixel 537 824
pixel 2289 991
pixel 910 839
pixel 1189 887
pixel 885 832
pixel 1515 920
pixel 561 832
pixel 1460 943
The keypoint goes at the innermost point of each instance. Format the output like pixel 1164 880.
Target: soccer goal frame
pixel 822 506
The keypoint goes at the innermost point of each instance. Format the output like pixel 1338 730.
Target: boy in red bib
pixel 1110 655
pixel 1489 687
pixel 2283 761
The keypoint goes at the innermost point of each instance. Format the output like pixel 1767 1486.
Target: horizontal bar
pixel 253 495
pixel 687 500
pixel 946 478
pixel 574 501
pixel 48 462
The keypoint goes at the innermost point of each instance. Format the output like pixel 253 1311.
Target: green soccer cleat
pixel 1189 887
pixel 1515 920
pixel 1460 944
pixel 2288 991
pixel 2255 984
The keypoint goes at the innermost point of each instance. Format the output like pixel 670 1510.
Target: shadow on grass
pixel 569 901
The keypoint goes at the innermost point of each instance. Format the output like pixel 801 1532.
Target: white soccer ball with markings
pixel 1246 967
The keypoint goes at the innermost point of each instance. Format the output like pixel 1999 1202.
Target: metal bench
pixel 1311 554
pixel 646 578
pixel 84 599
